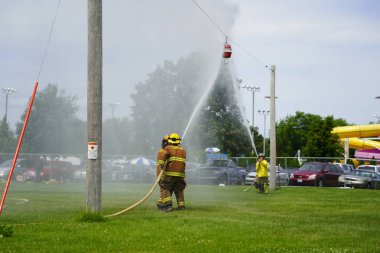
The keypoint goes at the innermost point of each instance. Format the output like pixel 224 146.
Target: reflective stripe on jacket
pixel 160 161
pixel 176 160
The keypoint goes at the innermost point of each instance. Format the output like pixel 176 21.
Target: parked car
pixel 21 166
pixel 375 168
pixel 289 170
pixel 220 171
pixel 135 174
pixel 192 172
pixel 316 174
pixel 359 178
pixel 346 167
pixel 54 170
pixel 282 178
pixel 79 174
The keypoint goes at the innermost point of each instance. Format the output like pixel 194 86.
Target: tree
pixel 309 133
pixel 117 137
pixel 8 141
pixel 53 126
pixel 221 122
pixel 164 103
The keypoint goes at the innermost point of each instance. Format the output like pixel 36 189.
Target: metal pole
pixel 253 111
pixel 7 92
pixel 346 150
pixel 264 113
pixel 272 183
pixel 265 120
pixel 94 106
pixel 6 107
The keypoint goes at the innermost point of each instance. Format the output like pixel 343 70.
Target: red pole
pixel 18 147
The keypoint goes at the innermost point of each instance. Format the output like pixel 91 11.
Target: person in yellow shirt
pixel 262 174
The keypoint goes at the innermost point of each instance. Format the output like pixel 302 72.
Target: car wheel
pixel 242 181
pixel 320 183
pixel 223 180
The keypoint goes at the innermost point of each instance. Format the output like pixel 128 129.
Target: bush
pixel 5 231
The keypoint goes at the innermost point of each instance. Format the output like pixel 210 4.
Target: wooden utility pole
pixel 272 183
pixel 94 107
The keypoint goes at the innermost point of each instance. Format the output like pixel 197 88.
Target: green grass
pixel 217 219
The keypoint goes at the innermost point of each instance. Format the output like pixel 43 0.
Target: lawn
pixel 217 219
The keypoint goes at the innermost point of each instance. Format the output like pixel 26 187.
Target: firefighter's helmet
pixel 174 138
pixel 165 141
pixel 261 155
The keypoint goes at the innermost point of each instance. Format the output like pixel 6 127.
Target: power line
pixel 48 41
pixel 225 34
pixel 208 16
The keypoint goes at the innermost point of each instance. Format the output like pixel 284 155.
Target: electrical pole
pixel 94 107
pixel 272 183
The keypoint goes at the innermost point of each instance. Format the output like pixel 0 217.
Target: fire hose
pixel 140 201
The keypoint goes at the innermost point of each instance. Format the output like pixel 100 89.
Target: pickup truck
pixel 220 172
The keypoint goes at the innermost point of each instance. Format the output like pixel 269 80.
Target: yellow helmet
pixel 166 138
pixel 174 138
pixel 165 141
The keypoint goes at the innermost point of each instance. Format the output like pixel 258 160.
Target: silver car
pixel 359 178
pixel 282 178
pixel 375 168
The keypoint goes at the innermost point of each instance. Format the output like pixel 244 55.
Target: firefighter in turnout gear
pixel 160 165
pixel 174 157
pixel 262 174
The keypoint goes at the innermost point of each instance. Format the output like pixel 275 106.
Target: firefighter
pixel 262 174
pixel 174 157
pixel 160 165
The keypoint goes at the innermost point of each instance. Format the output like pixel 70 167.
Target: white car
pixel 375 168
pixel 282 178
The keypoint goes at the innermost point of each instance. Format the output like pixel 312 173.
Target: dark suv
pixel 316 174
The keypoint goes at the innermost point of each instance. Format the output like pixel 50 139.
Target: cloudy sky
pixel 326 52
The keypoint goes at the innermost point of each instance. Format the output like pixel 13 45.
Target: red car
pixel 60 171
pixel 316 174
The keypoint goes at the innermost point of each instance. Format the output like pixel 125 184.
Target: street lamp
pixel 253 89
pixel 7 92
pixel 264 113
pixel 113 106
pixel 378 97
pixel 377 116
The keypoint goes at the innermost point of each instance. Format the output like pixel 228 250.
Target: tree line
pixel 162 104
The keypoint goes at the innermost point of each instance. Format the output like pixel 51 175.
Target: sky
pixel 326 52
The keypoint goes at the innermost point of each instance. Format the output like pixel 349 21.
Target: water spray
pixel 196 109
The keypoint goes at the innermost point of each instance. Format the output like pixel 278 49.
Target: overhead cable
pixel 48 41
pixel 225 34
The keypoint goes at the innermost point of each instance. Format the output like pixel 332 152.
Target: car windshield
pixel 312 166
pixel 217 163
pixel 371 168
pixel 361 173
pixel 7 163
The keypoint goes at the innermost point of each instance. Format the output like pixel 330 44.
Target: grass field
pixel 218 219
